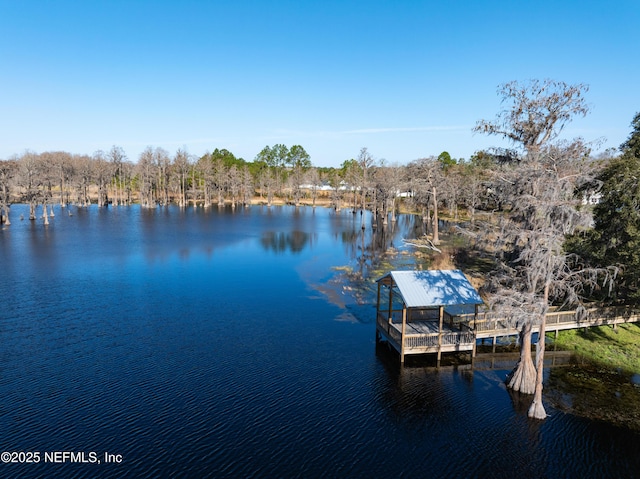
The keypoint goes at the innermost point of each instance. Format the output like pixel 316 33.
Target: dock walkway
pixel 461 333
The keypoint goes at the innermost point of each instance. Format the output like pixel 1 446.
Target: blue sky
pixel 406 79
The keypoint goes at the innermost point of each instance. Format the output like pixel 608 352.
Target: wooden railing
pixel 420 341
pixel 413 341
pixel 383 323
pixel 424 340
pixel 489 322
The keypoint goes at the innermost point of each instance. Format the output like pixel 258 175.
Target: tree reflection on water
pixel 372 252
pixel 280 242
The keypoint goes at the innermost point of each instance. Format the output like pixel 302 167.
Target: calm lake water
pixel 217 343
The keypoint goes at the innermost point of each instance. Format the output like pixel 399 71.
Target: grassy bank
pixel 604 346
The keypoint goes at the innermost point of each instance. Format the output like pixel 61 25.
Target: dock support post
pixel 475 317
pixel 402 339
pixel 441 312
pixel 390 304
pixel 390 318
pixel 378 314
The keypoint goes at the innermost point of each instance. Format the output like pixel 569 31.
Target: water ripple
pixel 221 364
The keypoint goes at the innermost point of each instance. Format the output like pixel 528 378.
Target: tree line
pixel 278 173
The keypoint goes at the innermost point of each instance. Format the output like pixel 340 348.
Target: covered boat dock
pixel 417 311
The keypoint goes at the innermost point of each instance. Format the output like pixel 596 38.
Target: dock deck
pixel 423 337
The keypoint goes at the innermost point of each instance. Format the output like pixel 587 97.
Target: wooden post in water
pixel 390 300
pixel 377 312
pixel 475 318
pixel 390 318
pixel 404 324
pixel 441 312
pixel 473 351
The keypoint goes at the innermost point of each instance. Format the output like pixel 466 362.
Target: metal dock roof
pixel 434 288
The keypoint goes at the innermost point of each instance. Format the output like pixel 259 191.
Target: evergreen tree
pixel 615 238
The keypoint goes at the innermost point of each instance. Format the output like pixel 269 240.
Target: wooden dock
pixel 461 333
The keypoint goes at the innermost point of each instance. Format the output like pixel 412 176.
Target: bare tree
pixel 83 168
pixel 337 190
pixel 116 156
pixel 60 165
pixel 538 189
pixel 235 184
pixel 365 161
pixel 204 167
pixel 474 189
pixel 8 170
pixel 270 183
pixel 537 112
pixel 389 182
pixel 127 187
pixel 147 176
pixel 195 181
pixel 181 172
pixel 426 177
pixel 247 186
pixel 220 178
pixel 163 168
pixel 452 189
pixel 352 175
pixel 29 180
pixel 102 170
pixel 313 178
pixel 47 177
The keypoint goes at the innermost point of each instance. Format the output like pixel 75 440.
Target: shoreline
pixel 605 347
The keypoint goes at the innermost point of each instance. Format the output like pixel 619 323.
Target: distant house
pixel 591 198
pixel 322 187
